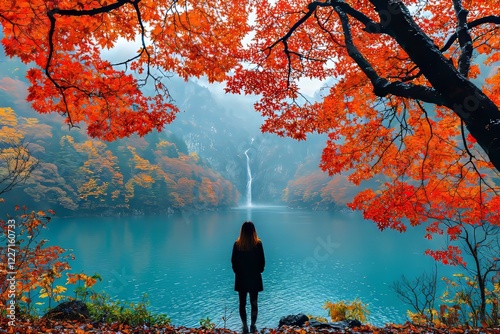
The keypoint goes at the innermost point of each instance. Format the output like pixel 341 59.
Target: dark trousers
pixel 253 304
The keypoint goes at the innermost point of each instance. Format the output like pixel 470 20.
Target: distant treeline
pixel 135 175
pixel 318 191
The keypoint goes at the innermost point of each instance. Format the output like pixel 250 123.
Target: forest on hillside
pixel 85 175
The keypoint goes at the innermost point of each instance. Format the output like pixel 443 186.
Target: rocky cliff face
pixel 221 133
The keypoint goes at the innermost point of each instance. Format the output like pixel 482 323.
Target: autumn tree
pixel 30 265
pixel 409 98
pixel 412 96
pixel 65 40
pixel 16 165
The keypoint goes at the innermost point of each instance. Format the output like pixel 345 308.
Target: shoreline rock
pixel 302 320
pixel 70 310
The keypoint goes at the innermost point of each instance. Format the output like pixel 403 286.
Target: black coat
pixel 247 267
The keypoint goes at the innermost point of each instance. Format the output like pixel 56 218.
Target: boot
pixel 244 329
pixel 253 328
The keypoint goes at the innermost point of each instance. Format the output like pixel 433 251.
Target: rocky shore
pixel 292 324
pixel 73 317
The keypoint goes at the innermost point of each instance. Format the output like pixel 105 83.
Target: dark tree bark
pixel 450 86
pixel 480 115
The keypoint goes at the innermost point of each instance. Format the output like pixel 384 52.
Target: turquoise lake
pixel 182 262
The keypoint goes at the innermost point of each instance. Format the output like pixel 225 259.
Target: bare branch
pixel 484 20
pixel 16 165
pixel 419 293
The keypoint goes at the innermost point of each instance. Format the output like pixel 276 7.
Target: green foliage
pixel 103 309
pixel 355 310
pixel 207 323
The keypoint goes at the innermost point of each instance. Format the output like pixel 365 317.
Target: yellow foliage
pixel 320 319
pixel 163 144
pixel 59 289
pixel 355 310
pixel 68 139
pixel 8 117
pixel 43 293
pixel 194 156
pixel 9 132
pixel 417 318
pixel 140 163
pixel 92 188
pixel 143 180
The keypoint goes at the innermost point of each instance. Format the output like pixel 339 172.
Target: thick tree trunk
pixel 480 115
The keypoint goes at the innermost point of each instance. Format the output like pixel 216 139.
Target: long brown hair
pixel 248 238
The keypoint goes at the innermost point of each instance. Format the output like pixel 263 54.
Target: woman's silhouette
pixel 248 264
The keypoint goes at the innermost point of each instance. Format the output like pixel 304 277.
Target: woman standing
pixel 248 264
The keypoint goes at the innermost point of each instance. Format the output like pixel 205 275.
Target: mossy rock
pixel 71 310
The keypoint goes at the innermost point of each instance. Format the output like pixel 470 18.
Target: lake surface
pixel 182 262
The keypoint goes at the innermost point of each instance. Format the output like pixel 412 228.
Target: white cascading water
pixel 249 182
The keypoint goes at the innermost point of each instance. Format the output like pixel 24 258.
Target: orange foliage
pixel 185 191
pixel 433 170
pixel 65 40
pixel 208 193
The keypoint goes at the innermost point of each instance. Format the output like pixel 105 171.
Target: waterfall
pixel 249 182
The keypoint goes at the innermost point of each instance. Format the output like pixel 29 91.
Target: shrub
pixel 36 264
pixel 355 310
pixel 105 310
pixel 207 323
